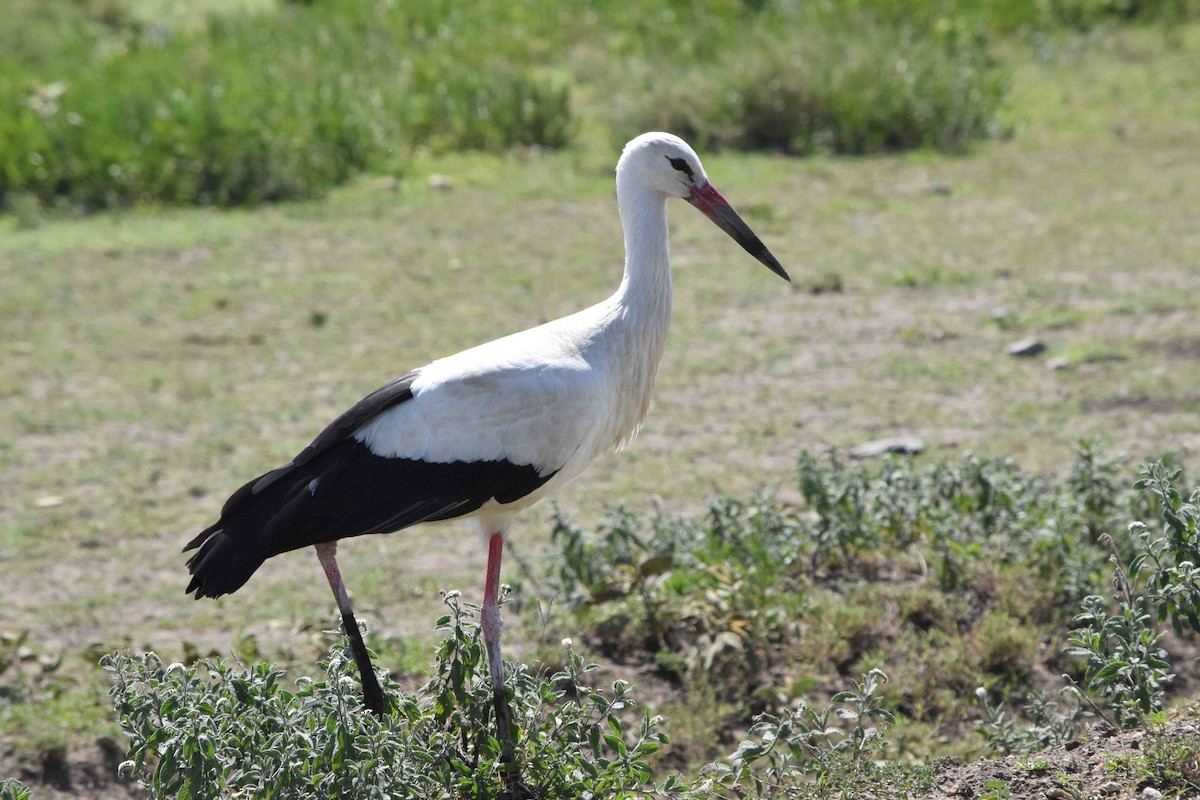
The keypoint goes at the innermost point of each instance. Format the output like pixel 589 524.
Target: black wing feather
pixel 337 488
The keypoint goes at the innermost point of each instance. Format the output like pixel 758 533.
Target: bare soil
pixel 1102 766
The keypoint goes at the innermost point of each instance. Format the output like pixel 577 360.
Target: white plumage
pixel 486 432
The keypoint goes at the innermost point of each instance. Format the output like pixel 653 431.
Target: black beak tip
pixel 770 262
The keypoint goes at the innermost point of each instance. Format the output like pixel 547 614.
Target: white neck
pixel 639 312
pixel 646 284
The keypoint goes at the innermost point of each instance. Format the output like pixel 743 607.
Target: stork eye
pixel 681 165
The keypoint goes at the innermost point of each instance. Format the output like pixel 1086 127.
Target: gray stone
pixel 1026 348
pixel 907 445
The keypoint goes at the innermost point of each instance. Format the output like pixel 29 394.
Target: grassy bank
pixel 102 107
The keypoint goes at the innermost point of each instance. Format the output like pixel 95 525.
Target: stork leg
pixel 491 623
pixel 373 697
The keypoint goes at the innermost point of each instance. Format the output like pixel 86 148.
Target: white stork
pixel 484 433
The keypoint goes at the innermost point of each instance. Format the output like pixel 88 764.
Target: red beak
pixel 717 208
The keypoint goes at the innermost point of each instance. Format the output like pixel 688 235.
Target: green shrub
pixel 840 83
pixel 1124 661
pixel 1087 14
pixel 216 729
pixel 950 576
pixel 13 789
pixel 99 107
pixel 713 597
pixel 254 109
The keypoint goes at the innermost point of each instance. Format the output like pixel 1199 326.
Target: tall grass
pixel 254 109
pixel 100 108
pixel 851 85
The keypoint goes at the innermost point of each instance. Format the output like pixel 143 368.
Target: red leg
pixel 489 618
pixel 490 613
pixel 373 697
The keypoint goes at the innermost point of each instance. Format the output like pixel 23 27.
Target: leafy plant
pixel 800 753
pixel 215 729
pixel 720 598
pixel 707 598
pixel 13 789
pixel 1124 661
pixel 862 707
pixel 1045 724
pixel 1170 562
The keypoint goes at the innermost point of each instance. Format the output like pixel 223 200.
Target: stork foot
pixel 513 787
pixel 505 732
pixel 504 729
pixel 373 697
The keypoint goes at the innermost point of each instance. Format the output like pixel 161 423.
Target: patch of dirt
pixel 1140 402
pixel 1100 767
pixel 1181 347
pixel 82 772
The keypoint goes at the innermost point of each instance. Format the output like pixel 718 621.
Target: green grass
pixel 151 359
pixel 106 105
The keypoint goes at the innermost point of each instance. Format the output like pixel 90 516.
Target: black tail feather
pixel 237 544
pixel 222 566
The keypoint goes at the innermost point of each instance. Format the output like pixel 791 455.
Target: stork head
pixel 667 164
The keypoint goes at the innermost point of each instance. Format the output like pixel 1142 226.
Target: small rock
pixel 907 445
pixel 1058 364
pixel 1150 793
pixel 1055 793
pixel 49 501
pixel 1110 788
pixel 1026 348
pixel 442 182
pixel 940 188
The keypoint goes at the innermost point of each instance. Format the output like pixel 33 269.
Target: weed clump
pixel 952 577
pixel 253 109
pixel 842 83
pixel 220 729
pixel 13 789
pixel 215 729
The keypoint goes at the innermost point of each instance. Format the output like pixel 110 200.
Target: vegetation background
pixel 943 179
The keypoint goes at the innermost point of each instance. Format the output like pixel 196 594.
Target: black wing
pixel 337 488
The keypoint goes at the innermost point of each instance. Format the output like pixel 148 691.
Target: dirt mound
pixel 1144 764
